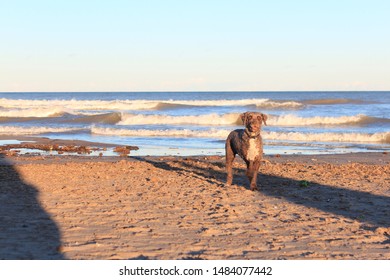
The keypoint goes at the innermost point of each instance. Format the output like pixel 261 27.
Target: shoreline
pixel 40 146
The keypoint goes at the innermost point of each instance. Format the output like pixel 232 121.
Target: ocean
pixel 197 123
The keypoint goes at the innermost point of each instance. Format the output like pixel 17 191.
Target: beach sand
pixel 307 207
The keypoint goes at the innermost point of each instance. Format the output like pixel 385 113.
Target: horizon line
pixel 191 91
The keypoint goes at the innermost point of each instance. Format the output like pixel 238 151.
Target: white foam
pixel 33 130
pixel 292 120
pixel 269 104
pixel 38 113
pixel 212 133
pixel 210 119
pixel 383 137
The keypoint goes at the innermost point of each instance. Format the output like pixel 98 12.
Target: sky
pixel 194 45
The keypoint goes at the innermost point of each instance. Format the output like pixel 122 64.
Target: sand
pixel 308 207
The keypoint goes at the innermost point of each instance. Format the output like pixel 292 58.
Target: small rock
pixel 383 230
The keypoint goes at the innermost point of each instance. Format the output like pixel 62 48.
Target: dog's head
pixel 253 121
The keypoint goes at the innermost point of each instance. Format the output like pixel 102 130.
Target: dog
pixel 248 144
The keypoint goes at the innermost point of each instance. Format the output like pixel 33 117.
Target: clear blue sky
pixel 174 45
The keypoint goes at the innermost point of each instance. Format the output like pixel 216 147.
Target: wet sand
pixel 307 207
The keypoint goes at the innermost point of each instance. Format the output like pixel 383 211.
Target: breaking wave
pixel 121 118
pixel 109 118
pixel 129 105
pixel 213 133
pixel 218 120
pixel 223 133
pixel 259 103
pixel 234 119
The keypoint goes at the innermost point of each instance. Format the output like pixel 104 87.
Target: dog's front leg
pixel 253 168
pixel 229 164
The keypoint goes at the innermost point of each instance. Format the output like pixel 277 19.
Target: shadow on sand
pixel 357 205
pixel 26 231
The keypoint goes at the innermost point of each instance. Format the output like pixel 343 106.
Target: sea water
pixel 197 123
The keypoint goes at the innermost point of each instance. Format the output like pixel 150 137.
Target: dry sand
pixel 308 207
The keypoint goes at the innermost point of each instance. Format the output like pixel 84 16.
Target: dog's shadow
pixel 352 204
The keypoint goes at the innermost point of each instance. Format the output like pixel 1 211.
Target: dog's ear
pixel 243 117
pixel 264 117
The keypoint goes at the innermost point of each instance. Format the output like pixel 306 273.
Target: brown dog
pixel 247 143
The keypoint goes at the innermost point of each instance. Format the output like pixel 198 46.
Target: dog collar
pixel 250 134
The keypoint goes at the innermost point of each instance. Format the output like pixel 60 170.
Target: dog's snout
pixel 253 124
